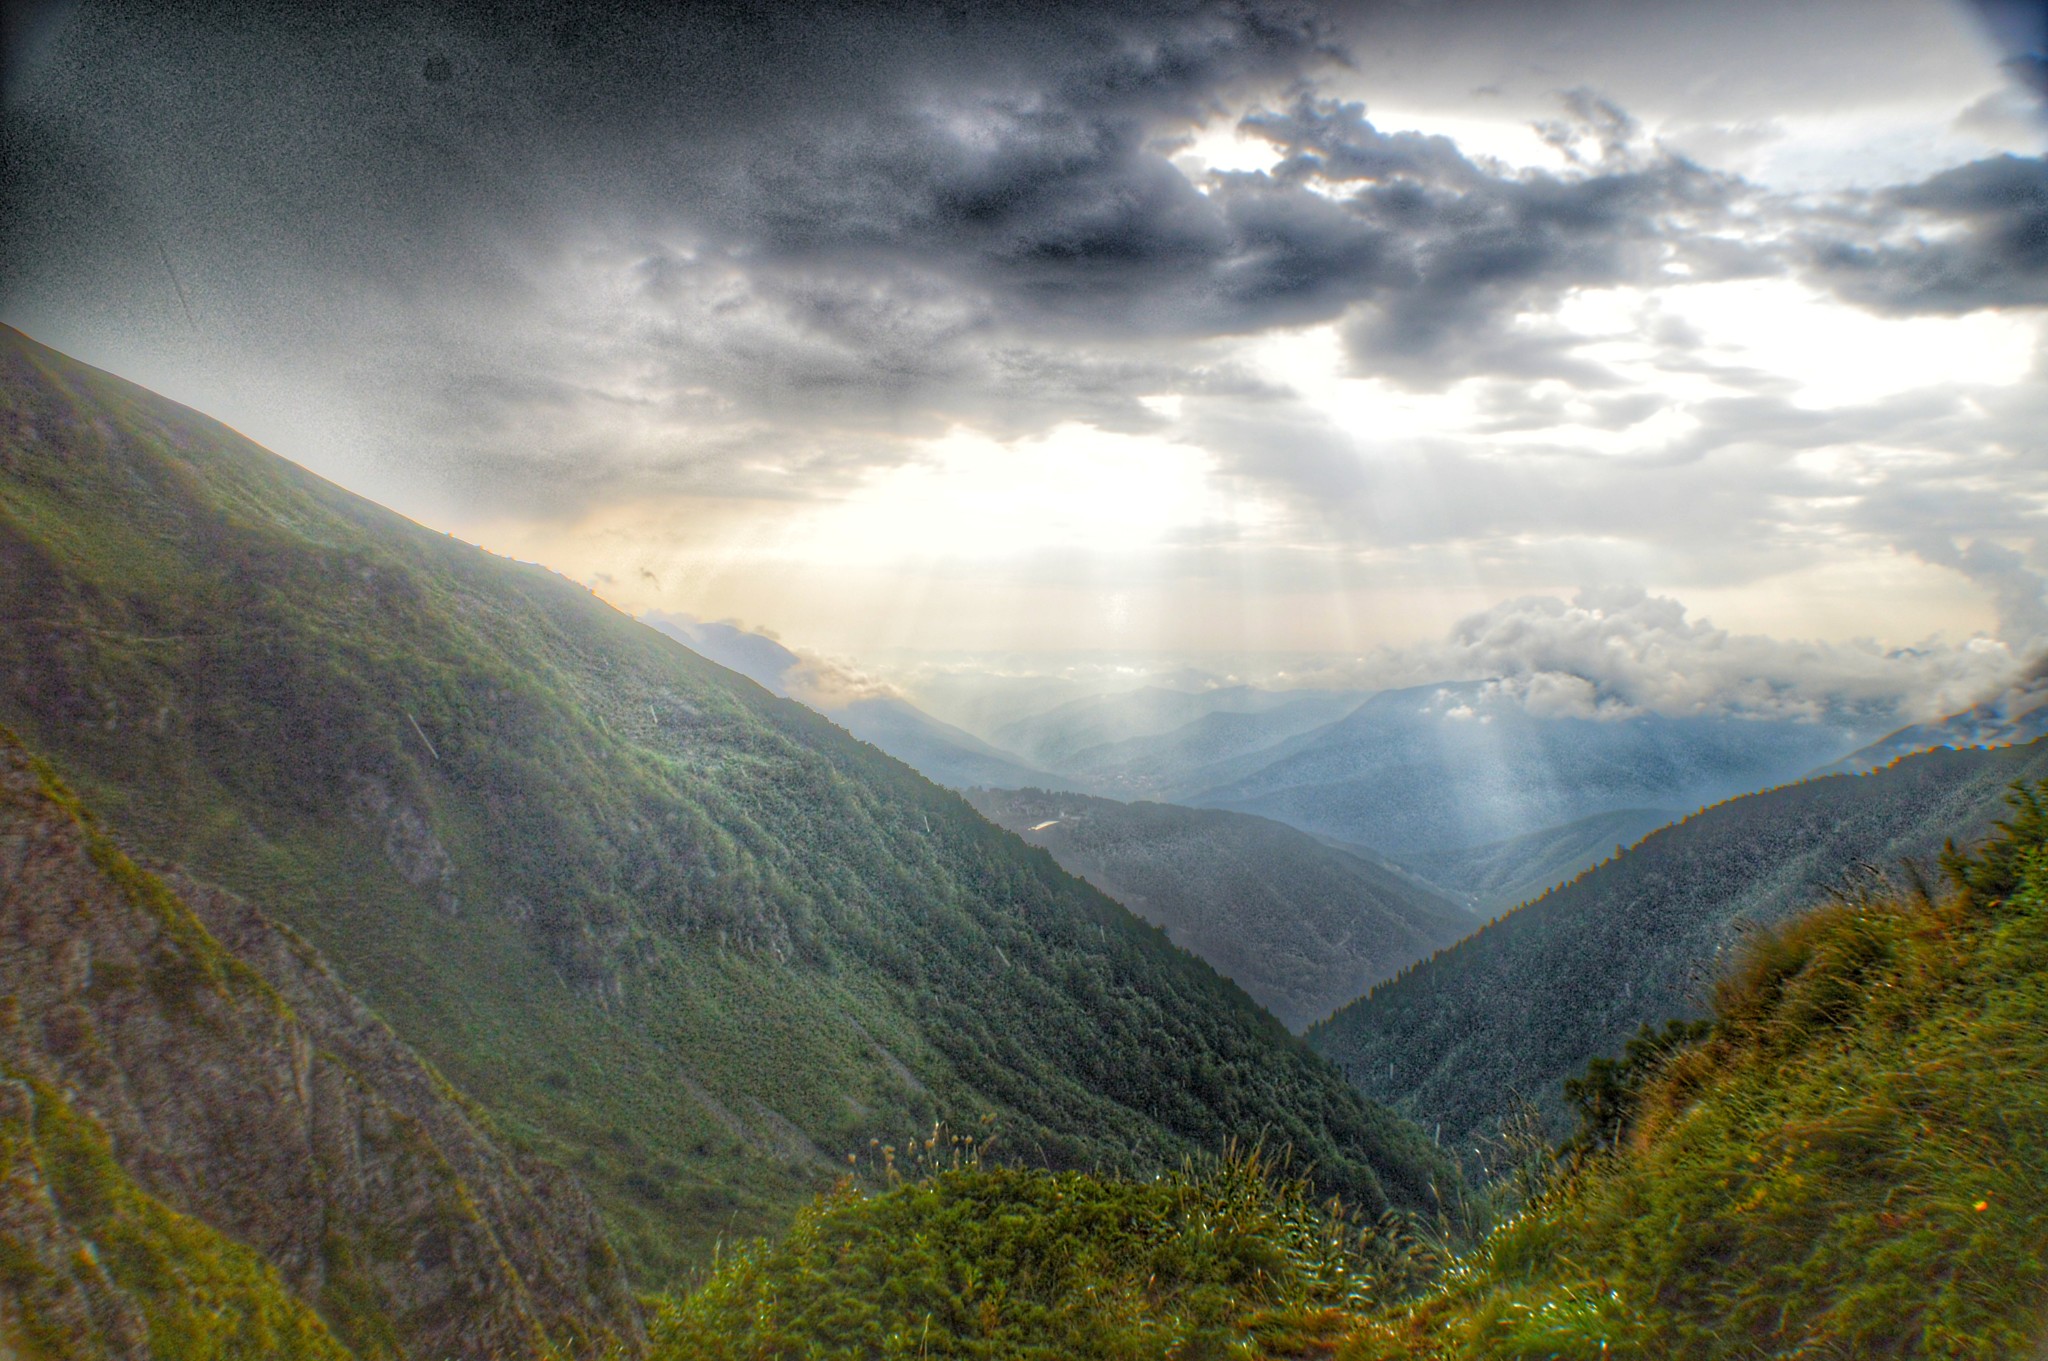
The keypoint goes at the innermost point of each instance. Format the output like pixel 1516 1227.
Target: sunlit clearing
pixel 972 498
pixel 1511 140
pixel 1218 145
pixel 1841 355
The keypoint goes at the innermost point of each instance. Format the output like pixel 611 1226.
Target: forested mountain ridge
pixel 685 937
pixel 208 1142
pixel 1303 927
pixel 1513 1010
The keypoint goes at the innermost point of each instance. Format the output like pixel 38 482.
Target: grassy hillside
pixel 1221 1259
pixel 678 934
pixel 1301 926
pixel 1511 1012
pixel 1849 1165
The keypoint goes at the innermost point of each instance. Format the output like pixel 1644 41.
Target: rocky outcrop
pixel 241 1086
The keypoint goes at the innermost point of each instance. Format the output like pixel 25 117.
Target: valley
pixel 550 955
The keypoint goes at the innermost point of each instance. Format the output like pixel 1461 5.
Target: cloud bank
pixel 1616 653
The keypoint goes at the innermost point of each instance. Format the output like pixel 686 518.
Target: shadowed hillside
pixel 1514 1010
pixel 1303 927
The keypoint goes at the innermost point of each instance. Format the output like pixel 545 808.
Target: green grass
pixel 1226 1258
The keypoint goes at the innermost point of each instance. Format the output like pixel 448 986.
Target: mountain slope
pixel 1522 1005
pixel 1439 767
pixel 1506 874
pixel 684 936
pixel 1849 1166
pixel 1301 926
pixel 938 751
pixel 208 1116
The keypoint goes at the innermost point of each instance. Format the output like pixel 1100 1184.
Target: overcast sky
pixel 1176 328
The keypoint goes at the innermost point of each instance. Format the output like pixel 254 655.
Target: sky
pixel 1692 350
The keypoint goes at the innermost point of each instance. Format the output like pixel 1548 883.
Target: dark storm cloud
pixel 1972 237
pixel 746 249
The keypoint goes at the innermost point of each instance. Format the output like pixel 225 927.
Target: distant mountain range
pixel 1301 926
pixel 1214 748
pixel 1512 1011
pixel 1443 767
pixel 1152 736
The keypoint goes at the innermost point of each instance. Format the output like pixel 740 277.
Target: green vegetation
pixel 1225 1258
pixel 1846 1163
pixel 1850 1165
pixel 1508 1014
pixel 1302 926
pixel 202 1296
pixel 681 936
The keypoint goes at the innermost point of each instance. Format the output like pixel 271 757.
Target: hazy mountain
pixel 1204 751
pixel 203 1134
pixel 761 659
pixel 1528 1001
pixel 2017 714
pixel 684 936
pixel 1445 766
pixel 1059 736
pixel 938 751
pixel 1493 878
pixel 1301 926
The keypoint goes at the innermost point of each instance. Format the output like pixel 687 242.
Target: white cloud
pixel 1616 653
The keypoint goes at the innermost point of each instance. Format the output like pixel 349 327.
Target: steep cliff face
pixel 179 1068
